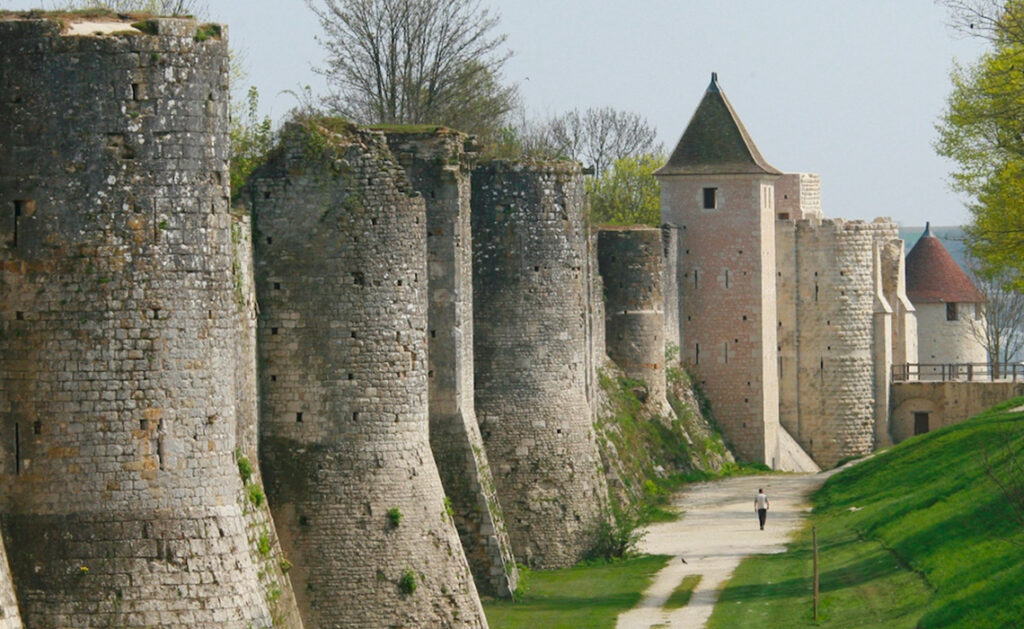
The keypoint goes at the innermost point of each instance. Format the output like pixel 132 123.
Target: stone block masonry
pixel 117 332
pixel 340 247
pixel 530 298
pixel 631 266
pixel 438 167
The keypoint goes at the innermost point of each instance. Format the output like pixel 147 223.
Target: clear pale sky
pixel 849 90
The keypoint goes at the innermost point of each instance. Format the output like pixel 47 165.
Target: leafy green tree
pixel 415 62
pixel 251 138
pixel 627 193
pixel 982 130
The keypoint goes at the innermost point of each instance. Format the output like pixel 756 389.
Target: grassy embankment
pixel 589 596
pixel 918 536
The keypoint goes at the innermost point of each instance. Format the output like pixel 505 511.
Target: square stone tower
pixel 718 193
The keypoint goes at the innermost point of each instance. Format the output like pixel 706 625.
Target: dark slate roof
pixel 716 142
pixel 934 276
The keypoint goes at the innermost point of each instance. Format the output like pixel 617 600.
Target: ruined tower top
pixel 716 142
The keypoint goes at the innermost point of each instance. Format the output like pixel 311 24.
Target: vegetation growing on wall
pixel 647 456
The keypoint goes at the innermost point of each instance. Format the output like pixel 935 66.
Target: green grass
pixel 582 597
pixel 918 536
pixel 680 597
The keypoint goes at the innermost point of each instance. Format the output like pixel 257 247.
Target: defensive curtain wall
pixel 341 244
pixel 631 263
pixel 122 500
pixel 438 166
pixel 531 298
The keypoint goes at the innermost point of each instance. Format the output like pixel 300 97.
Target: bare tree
pixel 415 62
pixel 994 20
pixel 1001 328
pixel 196 8
pixel 599 136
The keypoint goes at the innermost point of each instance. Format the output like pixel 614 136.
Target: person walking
pixel 761 506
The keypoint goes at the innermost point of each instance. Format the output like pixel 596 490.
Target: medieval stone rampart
pixel 117 355
pixel 830 294
pixel 925 406
pixel 438 167
pixel 341 245
pixel 531 292
pixel 631 266
pixel 725 277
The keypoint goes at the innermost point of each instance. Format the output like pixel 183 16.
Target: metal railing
pixel 969 372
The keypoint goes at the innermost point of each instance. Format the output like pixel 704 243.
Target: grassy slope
pixel 583 597
pixel 916 536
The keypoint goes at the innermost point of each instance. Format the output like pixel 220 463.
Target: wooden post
pixel 814 541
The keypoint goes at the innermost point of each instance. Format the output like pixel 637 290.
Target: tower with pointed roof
pixel 950 308
pixel 717 192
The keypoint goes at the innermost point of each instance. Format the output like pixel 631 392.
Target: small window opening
pixel 277 285
pixel 710 198
pixel 725 352
pixel 783 216
pixel 156 313
pixel 19 315
pixel 696 283
pixel 358 278
pixel 270 240
pixel 143 424
pixel 352 334
pixel 433 334
pixel 696 353
pixel 373 221
pixel 727 278
pixel 355 416
pixel 951 313
pixel 351 376
pixel 37 427
pixel 266 195
pixel 298 418
pixel 135 91
pixel 273 331
pixel 815 292
pixel 273 378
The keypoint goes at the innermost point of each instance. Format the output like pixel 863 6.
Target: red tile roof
pixel 934 276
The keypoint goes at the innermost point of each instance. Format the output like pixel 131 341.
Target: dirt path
pixel 719 528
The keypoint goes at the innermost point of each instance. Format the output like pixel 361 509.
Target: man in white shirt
pixel 761 506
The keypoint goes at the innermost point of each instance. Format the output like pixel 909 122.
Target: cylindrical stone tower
pixel 340 239
pixel 530 295
pixel 632 266
pixel 438 167
pixel 835 309
pixel 117 362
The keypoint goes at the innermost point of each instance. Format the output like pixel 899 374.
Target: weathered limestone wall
pixel 530 298
pixel 117 360
pixel 670 285
pixel 945 403
pixel 828 302
pixel 798 196
pixel 264 545
pixel 341 267
pixel 631 266
pixel 894 282
pixel 438 168
pixel 942 342
pixel 726 278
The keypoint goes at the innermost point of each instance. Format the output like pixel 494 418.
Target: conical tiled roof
pixel 934 276
pixel 715 142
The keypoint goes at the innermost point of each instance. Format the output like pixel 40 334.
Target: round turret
pixel 119 327
pixel 340 240
pixel 530 296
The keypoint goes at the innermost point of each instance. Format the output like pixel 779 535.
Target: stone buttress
pixel 531 294
pixel 340 249
pixel 631 266
pixel 117 351
pixel 438 167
